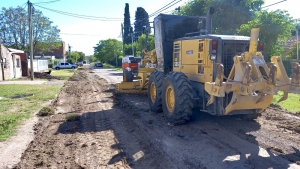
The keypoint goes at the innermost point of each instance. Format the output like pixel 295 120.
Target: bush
pixel 46 111
pixel 72 117
pixel 50 65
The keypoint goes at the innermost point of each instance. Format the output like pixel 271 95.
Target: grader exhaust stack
pixel 252 81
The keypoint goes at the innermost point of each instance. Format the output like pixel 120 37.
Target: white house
pixel 11 64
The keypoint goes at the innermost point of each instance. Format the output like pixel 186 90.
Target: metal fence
pixel 287 65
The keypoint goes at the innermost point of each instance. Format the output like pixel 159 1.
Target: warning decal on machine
pixel 258 61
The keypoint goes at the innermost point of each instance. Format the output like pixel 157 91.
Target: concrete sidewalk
pixel 35 82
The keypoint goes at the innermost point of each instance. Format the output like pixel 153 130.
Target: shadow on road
pixel 206 141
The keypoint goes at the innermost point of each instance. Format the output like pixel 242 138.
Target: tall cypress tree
pixel 127 26
pixel 141 22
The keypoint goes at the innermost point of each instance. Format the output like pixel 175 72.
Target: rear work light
pixel 260 46
pixel 213 50
pixel 214 46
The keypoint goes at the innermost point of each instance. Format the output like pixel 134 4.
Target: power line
pixel 273 4
pixel 24 5
pixel 160 10
pixel 82 16
pixel 48 2
pixel 169 6
pixel 79 34
pixel 164 8
pixel 77 15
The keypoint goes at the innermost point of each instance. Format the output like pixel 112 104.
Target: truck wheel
pixel 57 68
pixel 127 75
pixel 155 82
pixel 177 98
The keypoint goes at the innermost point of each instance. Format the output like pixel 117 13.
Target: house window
pixel 4 63
pixel 18 62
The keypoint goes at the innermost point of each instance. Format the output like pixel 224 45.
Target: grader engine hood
pixel 252 81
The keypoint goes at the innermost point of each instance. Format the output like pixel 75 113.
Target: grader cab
pixel 219 74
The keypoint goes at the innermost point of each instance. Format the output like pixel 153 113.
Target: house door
pixel 24 66
pixel 12 65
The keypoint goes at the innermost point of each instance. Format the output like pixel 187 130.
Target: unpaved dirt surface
pixel 101 135
pixel 95 128
pixel 12 148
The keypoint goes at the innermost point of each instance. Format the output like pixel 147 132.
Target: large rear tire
pixel 177 98
pixel 155 83
pixel 127 75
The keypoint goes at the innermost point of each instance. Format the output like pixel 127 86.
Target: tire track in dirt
pixel 75 143
pixel 96 148
pixel 100 133
pixel 223 142
pixel 137 149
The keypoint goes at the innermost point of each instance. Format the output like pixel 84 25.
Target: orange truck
pixel 130 62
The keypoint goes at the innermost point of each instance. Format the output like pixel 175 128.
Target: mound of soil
pixel 45 75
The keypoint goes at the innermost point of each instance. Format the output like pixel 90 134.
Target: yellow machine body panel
pixel 192 58
pixel 252 81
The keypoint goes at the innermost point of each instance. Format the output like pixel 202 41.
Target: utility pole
pixel 116 55
pixel 178 9
pixel 122 28
pixel 1 60
pixel 131 33
pixel 30 38
pixel 297 43
pixel 132 44
pixel 69 52
pixel 116 59
pixel 297 29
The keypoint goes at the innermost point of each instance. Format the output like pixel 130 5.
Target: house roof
pixel 15 50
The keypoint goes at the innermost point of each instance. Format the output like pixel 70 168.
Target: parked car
pixel 79 63
pixel 98 64
pixel 65 65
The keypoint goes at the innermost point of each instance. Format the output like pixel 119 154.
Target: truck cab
pixel 130 62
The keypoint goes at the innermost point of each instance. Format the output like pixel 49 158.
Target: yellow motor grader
pixel 219 74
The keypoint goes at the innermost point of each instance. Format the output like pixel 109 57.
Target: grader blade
pixel 130 87
pixel 239 102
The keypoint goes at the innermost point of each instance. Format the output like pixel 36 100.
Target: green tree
pixel 81 57
pixel 194 8
pixel 229 14
pixel 75 57
pixel 141 22
pixel 127 25
pixel 275 29
pixel 108 50
pixel 139 44
pixel 128 49
pixel 14 30
pixel 92 59
pixel 292 54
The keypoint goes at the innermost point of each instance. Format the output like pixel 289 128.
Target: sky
pixel 83 34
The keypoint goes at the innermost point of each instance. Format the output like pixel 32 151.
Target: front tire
pixel 177 98
pixel 57 68
pixel 127 75
pixel 155 83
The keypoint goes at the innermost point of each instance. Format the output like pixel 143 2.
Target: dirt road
pixel 95 128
